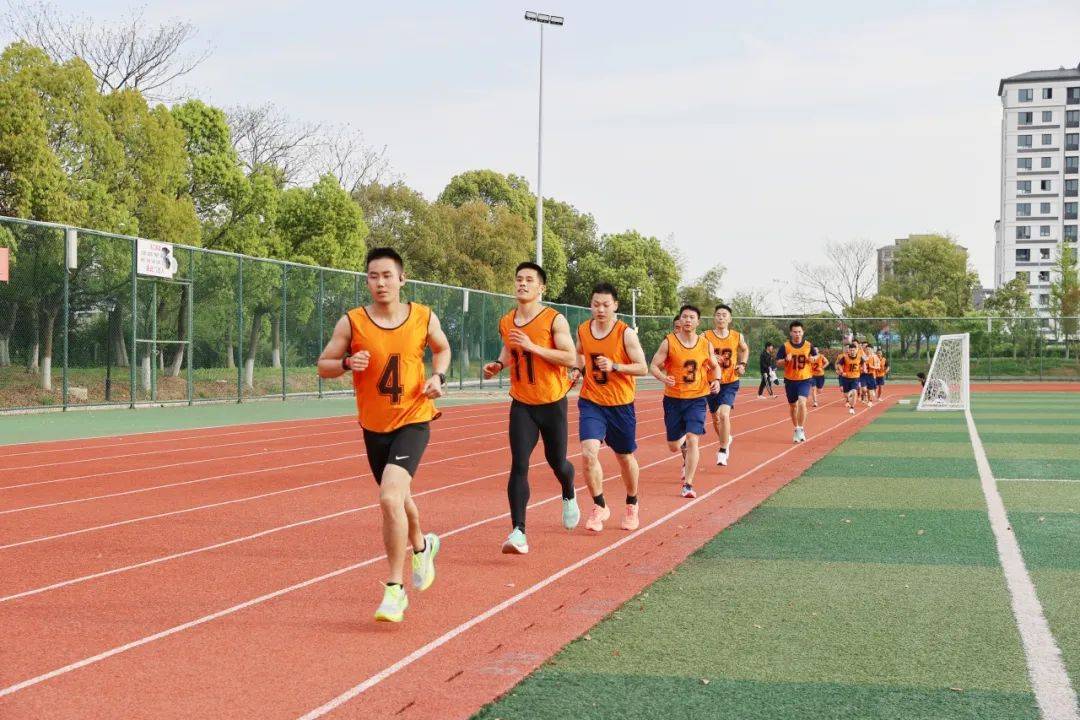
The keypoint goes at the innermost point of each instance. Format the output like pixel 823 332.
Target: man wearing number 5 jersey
pixel 610 359
pixel 382 345
pixel 795 357
pixel 684 363
pixel 731 353
pixel 538 348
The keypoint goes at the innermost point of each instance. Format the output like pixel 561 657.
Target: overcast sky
pixel 751 132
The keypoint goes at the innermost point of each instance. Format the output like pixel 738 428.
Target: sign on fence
pixel 156 258
pixel 3 264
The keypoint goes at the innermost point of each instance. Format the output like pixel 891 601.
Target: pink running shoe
pixel 597 518
pixel 630 520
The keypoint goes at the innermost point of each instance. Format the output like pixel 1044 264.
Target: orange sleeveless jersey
pixel 389 392
pixel 689 366
pixel 817 365
pixel 533 380
pixel 726 352
pixel 797 365
pixel 849 367
pixel 605 388
pixel 882 368
pixel 873 365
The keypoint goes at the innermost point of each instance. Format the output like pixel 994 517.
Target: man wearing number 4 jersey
pixel 382 345
pixel 731 353
pixel 685 364
pixel 538 348
pixel 610 359
pixel 795 356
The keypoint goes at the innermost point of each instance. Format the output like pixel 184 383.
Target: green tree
pixel 492 189
pixel 1012 303
pixel 1065 294
pixel 704 291
pixel 932 266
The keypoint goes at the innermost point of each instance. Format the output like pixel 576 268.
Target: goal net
pixel 947 383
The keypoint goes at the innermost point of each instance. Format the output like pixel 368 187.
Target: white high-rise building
pixel 1040 171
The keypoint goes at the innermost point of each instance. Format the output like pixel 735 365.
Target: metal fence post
pixel 461 356
pixel 68 232
pixel 239 329
pixel 322 326
pixel 134 319
pixel 191 327
pixel 283 338
pixel 153 342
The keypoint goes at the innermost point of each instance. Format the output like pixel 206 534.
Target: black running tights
pixel 529 423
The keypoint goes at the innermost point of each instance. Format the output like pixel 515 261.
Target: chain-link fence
pixel 232 328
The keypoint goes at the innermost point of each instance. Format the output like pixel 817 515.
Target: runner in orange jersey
pixel 882 371
pixel 818 364
pixel 610 360
pixel 849 366
pixel 539 348
pixel 382 345
pixel 731 353
pixel 794 357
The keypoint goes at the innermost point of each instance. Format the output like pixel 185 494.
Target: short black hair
pixel 684 308
pixel 723 306
pixel 606 289
pixel 920 375
pixel 532 266
pixel 794 324
pixel 381 253
pixel 853 345
pixel 769 345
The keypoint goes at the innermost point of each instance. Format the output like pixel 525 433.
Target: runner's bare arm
pixel 638 366
pixel 440 357
pixel 330 361
pixel 657 365
pixel 743 356
pixel 492 369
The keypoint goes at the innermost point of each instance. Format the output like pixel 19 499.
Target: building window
pixel 1047 139
pixel 1023 232
pixel 1072 96
pixel 1071 188
pixel 1044 185
pixel 1072 164
pixel 1024 141
pixel 1023 209
pixel 1070 233
pixel 1047 93
pixel 1072 118
pixel 1044 208
pixel 1044 277
pixel 1023 275
pixel 1023 255
pixel 1023 163
pixel 1070 211
pixel 1025 118
pixel 1045 162
pixel 1048 116
pixel 1025 95
pixel 1023 186
pixel 1044 253
pixel 1044 231
pixel 1044 299
pixel 1072 141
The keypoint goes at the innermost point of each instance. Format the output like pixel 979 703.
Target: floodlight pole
pixel 541 19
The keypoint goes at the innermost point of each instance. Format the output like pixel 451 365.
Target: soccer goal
pixel 948 382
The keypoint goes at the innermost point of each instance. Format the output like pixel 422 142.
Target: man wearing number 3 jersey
pixel 382 345
pixel 538 348
pixel 685 364
pixel 795 357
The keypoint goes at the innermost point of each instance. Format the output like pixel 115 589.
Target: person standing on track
pixel 610 359
pixel 794 356
pixel 817 374
pixel 382 345
pixel 765 364
pixel 537 341
pixel 731 353
pixel 684 362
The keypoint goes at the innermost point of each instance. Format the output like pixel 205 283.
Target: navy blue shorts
pixel 796 389
pixel 614 425
pixel 849 384
pixel 868 382
pixel 819 381
pixel 880 381
pixel 726 396
pixel 684 416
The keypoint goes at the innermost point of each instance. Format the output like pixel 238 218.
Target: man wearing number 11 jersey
pixel 538 348
pixel 382 345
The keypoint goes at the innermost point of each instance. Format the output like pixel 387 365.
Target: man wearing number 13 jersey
pixel 685 364
pixel 610 359
pixel 538 348
pixel 382 345
pixel 795 357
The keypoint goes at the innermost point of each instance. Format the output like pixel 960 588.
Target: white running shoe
pixel 721 457
pixel 795 436
pixel 802 434
pixel 851 410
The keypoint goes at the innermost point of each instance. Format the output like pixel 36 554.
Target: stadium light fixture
pixel 542 19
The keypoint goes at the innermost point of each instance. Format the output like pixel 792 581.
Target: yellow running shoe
pixel 393 605
pixel 423 563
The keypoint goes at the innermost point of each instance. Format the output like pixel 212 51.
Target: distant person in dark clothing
pixel 766 362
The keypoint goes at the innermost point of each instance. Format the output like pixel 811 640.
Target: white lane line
pixel 280 528
pixel 1038 480
pixel 1049 681
pixel 327 576
pixel 438 642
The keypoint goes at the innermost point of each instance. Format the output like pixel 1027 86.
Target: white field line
pixel 325 431
pixel 349 568
pixel 1049 680
pixel 270 531
pixel 446 637
pixel 1037 480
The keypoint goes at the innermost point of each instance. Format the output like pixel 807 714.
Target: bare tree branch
pixel 265 135
pixel 849 275
pixel 347 156
pixel 129 54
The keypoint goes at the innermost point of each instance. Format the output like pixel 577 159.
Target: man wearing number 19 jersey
pixel 383 345
pixel 538 347
pixel 795 357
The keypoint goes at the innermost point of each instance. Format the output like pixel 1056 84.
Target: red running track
pixel 237 578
